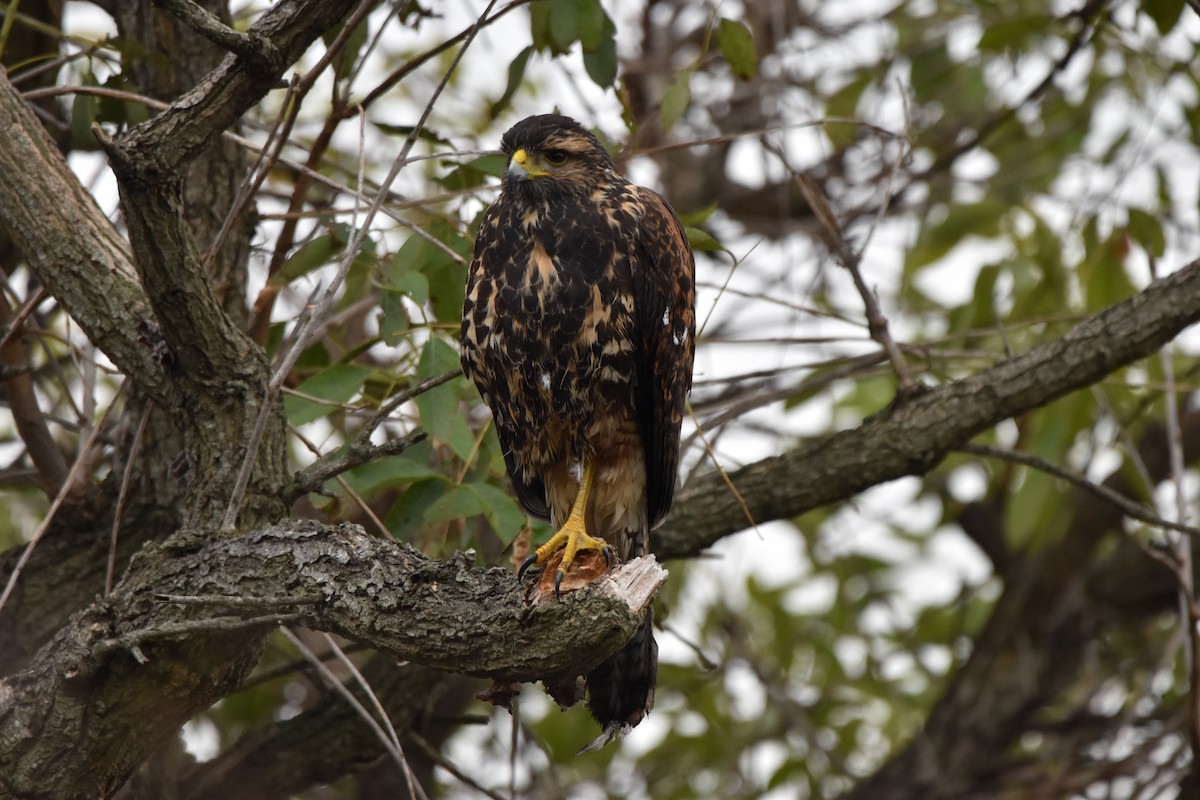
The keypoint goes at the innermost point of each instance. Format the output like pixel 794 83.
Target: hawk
pixel 579 331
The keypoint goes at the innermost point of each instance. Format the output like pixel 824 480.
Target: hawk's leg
pixel 571 537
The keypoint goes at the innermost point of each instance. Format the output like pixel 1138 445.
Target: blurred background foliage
pixel 1003 169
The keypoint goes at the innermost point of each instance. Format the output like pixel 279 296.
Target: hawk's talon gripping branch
pixel 571 538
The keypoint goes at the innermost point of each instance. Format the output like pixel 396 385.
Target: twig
pixel 378 706
pixel 359 450
pixel 432 753
pixel 257 49
pixel 63 491
pixel 393 748
pixel 1188 610
pixel 126 479
pixel 257 172
pixel 302 336
pixel 27 414
pixel 240 601
pixel 877 323
pixel 281 131
pixel 708 451
pixel 1128 507
pixel 131 641
pixel 18 320
pixel 362 504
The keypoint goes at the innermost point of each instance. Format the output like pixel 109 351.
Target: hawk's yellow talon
pixel 571 538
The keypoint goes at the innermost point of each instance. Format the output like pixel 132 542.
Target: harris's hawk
pixel 579 330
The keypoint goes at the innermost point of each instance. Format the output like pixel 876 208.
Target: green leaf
pixel 737 47
pixel 394 320
pixel 1147 231
pixel 501 511
pixel 539 24
pixel 475 172
pixel 675 99
pixel 343 62
pixel 961 220
pixel 456 503
pixel 84 110
pixel 408 467
pixel 426 134
pixel 591 22
pixel 843 104
pixel 441 413
pixel 447 277
pixel 601 64
pixel 1165 13
pixel 1013 33
pixel 394 323
pixel 337 385
pixel 698 216
pixel 411 284
pixel 1105 279
pixel 472 499
pixel 931 67
pixel 564 24
pixel 702 241
pixel 980 312
pixel 516 74
pixel 313 254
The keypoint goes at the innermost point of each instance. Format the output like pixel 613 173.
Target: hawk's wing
pixel 489 258
pixel 664 279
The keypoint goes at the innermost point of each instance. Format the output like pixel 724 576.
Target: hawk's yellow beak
pixel 522 167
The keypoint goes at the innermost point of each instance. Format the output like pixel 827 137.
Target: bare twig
pixel 303 334
pixel 413 785
pixel 708 451
pixel 362 504
pixel 126 478
pixel 240 601
pixel 389 745
pixel 27 414
pixel 1128 507
pixel 359 450
pixel 877 323
pixel 1189 611
pixel 63 491
pixel 131 641
pixel 435 756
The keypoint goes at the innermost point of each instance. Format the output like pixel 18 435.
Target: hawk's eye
pixel 556 158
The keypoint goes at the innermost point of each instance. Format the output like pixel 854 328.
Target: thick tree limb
pixel 61 718
pixel 443 614
pixel 150 162
pixel 70 244
pixel 160 146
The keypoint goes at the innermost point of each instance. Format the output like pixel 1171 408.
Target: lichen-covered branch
pixel 61 717
pixel 446 614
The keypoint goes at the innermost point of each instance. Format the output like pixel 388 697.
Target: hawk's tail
pixel 621 690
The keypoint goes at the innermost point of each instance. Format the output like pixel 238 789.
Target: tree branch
pixel 70 244
pixel 443 614
pixel 914 438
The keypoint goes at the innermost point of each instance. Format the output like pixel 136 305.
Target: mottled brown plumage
pixel 578 328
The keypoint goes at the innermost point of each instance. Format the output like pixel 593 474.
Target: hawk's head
pixel 551 154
